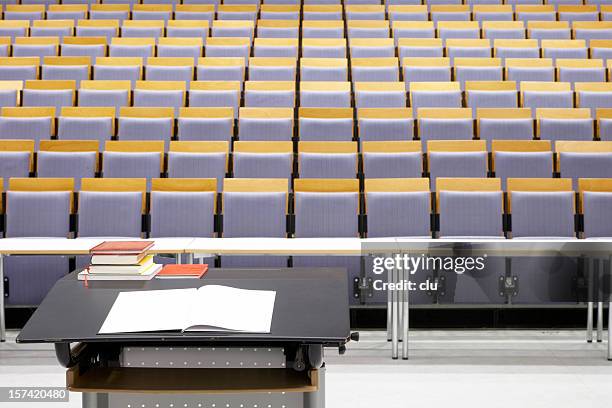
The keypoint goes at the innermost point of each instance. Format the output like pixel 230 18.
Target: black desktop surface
pixel 311 307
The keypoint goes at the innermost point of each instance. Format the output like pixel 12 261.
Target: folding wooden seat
pixel 367 29
pixel 269 94
pixel 603 119
pixel 329 159
pixel 470 207
pixel 375 124
pixel 152 12
pixel 118 12
pixel 564 49
pixel 325 94
pixel 215 94
pixel 600 49
pixel 101 93
pixel 456 158
pixel 169 69
pixel 221 69
pixel 30 123
pixel 142 158
pixel 364 12
pixel 521 158
pixel 84 47
pixel 450 12
pixel 380 95
pixel 169 47
pixel 10 93
pixel 323 69
pixel 504 124
pixel 322 12
pixel 435 94
pixel 420 48
pixel 548 30
pixel 285 12
pixel 276 47
pixel 145 123
pixel 468 48
pixel 492 12
pixel 75 159
pixel 142 28
pixel 86 123
pixel 29 12
pixel 272 69
pixel 457 29
pixel 594 205
pixel 52 28
pixel 576 160
pixel 194 12
pixel 375 69
pixel 491 94
pixel 324 48
pixel 322 29
pixel 132 47
pixel 580 70
pixel 72 12
pixel 572 12
pixel 477 69
pixel 273 28
pixel 392 159
pixel 35 46
pixel 233 28
pixel 529 69
pixel 592 30
pixel 546 95
pixel 237 12
pixel 172 94
pixel 14 28
pixel 413 29
pixel 531 12
pixel 188 29
pixel 228 47
pixel 503 30
pixel 16 159
pixel 408 12
pixel 56 93
pixel 372 48
pixel 265 124
pixel 263 159
pixel 66 68
pixel 445 124
pixel 19 68
pixel 328 124
pixel 118 68
pixel 198 160
pixel 564 124
pixel 503 48
pixel 99 199
pixel 205 124
pixel 97 28
pixel 593 95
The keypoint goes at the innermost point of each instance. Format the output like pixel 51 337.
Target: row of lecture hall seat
pixel 323 160
pixel 310 125
pixel 526 208
pixel 175 96
pixel 311 29
pixel 309 12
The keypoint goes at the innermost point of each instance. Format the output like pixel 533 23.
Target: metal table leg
pixel 2 315
pixel 190 258
pixel 395 318
pixel 609 291
pixel 600 279
pixel 316 399
pixel 95 400
pixel 405 310
pixel 590 264
pixel 389 307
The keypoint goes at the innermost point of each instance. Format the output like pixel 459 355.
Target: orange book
pixel 182 271
pixel 121 247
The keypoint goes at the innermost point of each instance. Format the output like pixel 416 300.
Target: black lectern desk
pixel 283 368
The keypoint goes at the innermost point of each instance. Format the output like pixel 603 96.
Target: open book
pixel 208 308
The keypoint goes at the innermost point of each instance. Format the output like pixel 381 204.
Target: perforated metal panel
pixel 203 357
pixel 244 400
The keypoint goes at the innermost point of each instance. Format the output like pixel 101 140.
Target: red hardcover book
pixel 183 271
pixel 121 247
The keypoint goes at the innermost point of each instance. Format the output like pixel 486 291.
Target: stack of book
pixel 121 260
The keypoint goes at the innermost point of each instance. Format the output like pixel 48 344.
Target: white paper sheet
pixel 209 308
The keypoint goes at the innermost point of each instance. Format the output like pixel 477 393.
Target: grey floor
pixel 480 368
